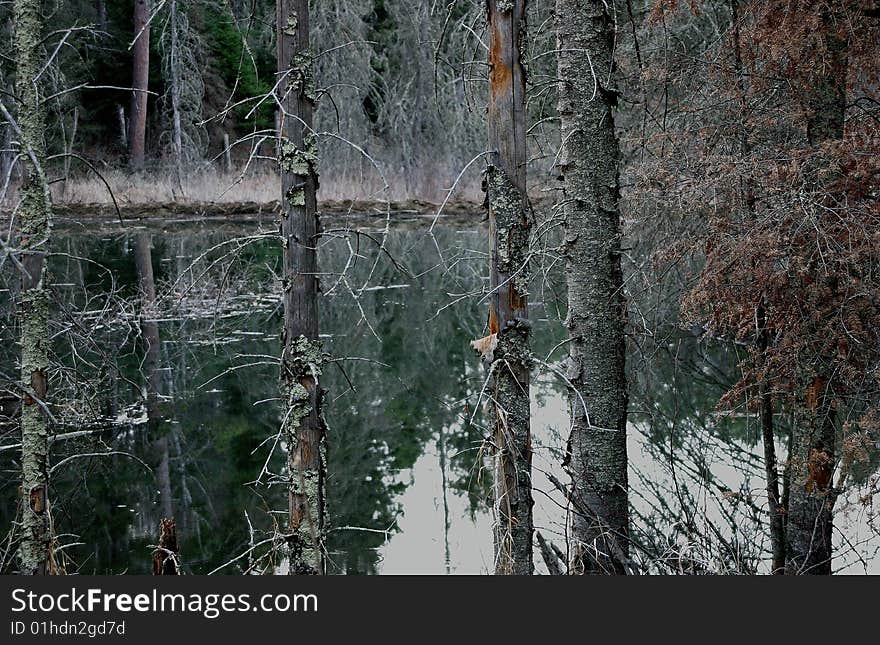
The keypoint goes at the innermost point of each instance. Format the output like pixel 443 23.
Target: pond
pixel 408 480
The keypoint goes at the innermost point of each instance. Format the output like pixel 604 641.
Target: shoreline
pixel 251 208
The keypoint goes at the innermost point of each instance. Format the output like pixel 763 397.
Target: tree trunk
pixel 137 120
pixel 175 92
pixel 596 308
pixel 35 553
pixel 771 468
pixel 151 368
pixel 809 525
pixel 101 11
pixel 765 396
pixel 509 233
pixel 166 558
pixel 7 155
pixel 302 357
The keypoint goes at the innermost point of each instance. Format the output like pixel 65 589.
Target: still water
pixel 408 483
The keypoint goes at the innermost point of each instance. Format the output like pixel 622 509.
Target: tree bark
pixel 809 520
pixel 771 467
pixel 509 232
pixel 302 357
pixel 166 558
pixel 7 157
pixel 137 120
pixel 35 553
pixel 101 11
pixel 597 459
pixel 177 131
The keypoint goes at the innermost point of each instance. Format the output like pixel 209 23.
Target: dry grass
pixel 259 187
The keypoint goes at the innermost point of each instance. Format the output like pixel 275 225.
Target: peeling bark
pixel 596 460
pixel 166 558
pixel 35 553
pixel 510 222
pixel 302 356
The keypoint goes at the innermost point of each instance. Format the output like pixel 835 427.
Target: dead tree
pixel 166 557
pixel 509 235
pixel 137 120
pixel 302 357
pixel 35 553
pixel 596 318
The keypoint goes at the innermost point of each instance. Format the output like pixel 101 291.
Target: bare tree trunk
pixel 175 93
pixel 166 558
pixel 302 356
pixel 596 308
pixel 509 236
pixel 69 149
pixel 809 520
pixel 137 120
pixel 101 10
pixel 227 153
pixel 35 553
pixel 771 468
pixel 7 154
pixel 123 127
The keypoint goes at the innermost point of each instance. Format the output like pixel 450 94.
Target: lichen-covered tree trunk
pixel 596 309
pixel 35 553
pixel 509 233
pixel 809 517
pixel 137 120
pixel 302 357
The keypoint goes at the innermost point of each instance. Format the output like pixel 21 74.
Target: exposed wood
pixel 509 236
pixel 166 557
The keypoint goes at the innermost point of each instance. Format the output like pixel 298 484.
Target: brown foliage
pixel 790 226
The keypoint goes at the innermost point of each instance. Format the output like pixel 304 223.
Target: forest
pixel 487 287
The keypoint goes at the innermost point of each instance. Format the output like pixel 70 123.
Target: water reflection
pixel 183 419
